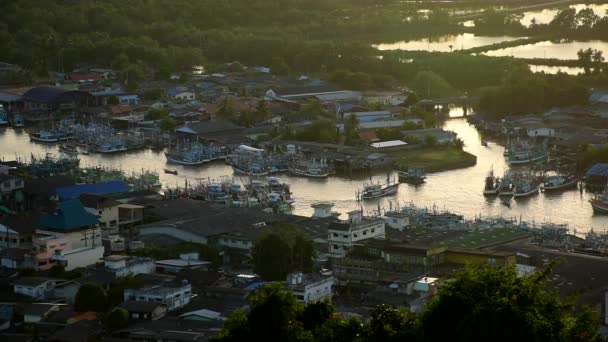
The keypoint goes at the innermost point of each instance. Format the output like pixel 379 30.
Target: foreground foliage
pixel 487 304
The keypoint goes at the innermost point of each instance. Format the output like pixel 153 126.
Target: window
pixel 373 230
pixel 365 232
pixel 491 261
pixel 335 234
pixel 412 259
pixel 112 223
pixel 101 211
pixel 355 235
pixel 345 236
pixel 336 247
pixel 6 184
pixel 18 182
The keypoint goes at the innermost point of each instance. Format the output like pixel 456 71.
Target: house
pixel 368 136
pixel 72 222
pixel 393 98
pixel 342 235
pixel 321 92
pixel 34 287
pixel 45 247
pixel 397 220
pixel 173 292
pixel 80 77
pixel 439 134
pixel 121 110
pixel 83 330
pixel 38 191
pixel 11 191
pixel 74 192
pixel 48 98
pixel 102 97
pixel 217 130
pixel 202 315
pixel 180 93
pixel 17 231
pixel 123 266
pixel 541 132
pixel 145 310
pixel 17 258
pixel 111 213
pixel 67 290
pixel 34 313
pixel 369 116
pixel 186 261
pixel 308 288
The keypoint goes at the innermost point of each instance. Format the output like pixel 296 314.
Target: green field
pixel 438 158
pixel 483 238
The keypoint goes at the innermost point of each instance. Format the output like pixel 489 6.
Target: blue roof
pixel 69 215
pixel 176 90
pixel 106 188
pixel 206 85
pixel 600 169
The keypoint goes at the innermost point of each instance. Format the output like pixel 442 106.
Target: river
pixel 457 190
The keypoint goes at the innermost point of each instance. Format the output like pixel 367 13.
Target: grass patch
pixel 487 237
pixel 438 158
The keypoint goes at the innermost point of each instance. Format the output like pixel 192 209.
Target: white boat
pixel 505 187
pixel 185 159
pixel 558 182
pixel 527 157
pixel 526 187
pixel 378 190
pixel 413 175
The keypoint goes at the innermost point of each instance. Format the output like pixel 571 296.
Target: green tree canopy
pixel 90 297
pixel 431 85
pixel 281 251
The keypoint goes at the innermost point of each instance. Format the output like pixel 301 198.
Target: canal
pixel 458 190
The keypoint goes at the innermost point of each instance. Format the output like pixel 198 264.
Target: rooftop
pixel 97 201
pixel 31 281
pixel 141 307
pixel 103 188
pixel 386 144
pixel 69 215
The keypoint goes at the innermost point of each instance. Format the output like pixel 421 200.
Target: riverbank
pixel 434 159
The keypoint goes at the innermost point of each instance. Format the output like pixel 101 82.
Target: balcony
pixel 130 213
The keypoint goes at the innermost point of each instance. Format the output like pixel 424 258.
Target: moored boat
pixel 526 187
pixel 413 175
pixel 48 137
pixel 173 172
pixel 600 203
pixel 68 149
pixel 311 171
pixel 505 187
pixel 492 185
pixel 558 182
pixel 3 116
pixel 377 190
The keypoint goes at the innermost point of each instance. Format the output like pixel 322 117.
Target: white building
pixel 168 290
pixel 35 287
pixel 397 220
pixel 343 235
pixel 123 266
pixel 104 208
pixel 309 288
pixel 322 209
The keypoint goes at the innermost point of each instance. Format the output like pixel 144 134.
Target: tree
pixel 431 85
pixel 459 143
pixel 113 100
pixel 157 113
pixel 351 129
pixel 168 124
pixel 390 324
pixel 57 271
pixel 278 66
pixel 117 319
pixel 226 110
pixel 133 75
pixel 90 297
pixel 495 304
pixel 280 251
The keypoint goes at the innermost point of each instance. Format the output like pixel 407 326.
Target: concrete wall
pixel 83 257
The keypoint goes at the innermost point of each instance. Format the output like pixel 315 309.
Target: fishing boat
pixel 492 185
pixel 17 120
pixel 600 203
pixel 49 137
pixel 526 187
pixel 173 172
pixel 559 182
pixel 276 186
pixel 3 116
pixel 68 149
pixel 312 171
pixel 413 175
pixel 525 153
pixel 506 201
pixel 377 190
pixel 505 187
pixel 186 158
pixel 111 148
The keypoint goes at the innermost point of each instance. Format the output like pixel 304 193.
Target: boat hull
pixel 599 207
pixel 243 172
pixel 567 185
pixel 526 194
pixel 528 160
pixel 490 192
pixel 388 191
pixel 183 162
pixel 309 175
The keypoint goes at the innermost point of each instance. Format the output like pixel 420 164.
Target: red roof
pixel 120 109
pixel 369 136
pixel 82 77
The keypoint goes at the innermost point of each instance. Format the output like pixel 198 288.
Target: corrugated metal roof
pixel 105 188
pixel 69 215
pixel 600 169
pixel 391 143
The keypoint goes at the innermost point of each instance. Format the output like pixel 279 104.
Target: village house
pixel 145 310
pixel 343 235
pixel 35 287
pixel 111 213
pixel 308 288
pixel 102 97
pixel 48 98
pixel 173 292
pixel 72 222
pixel 180 93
